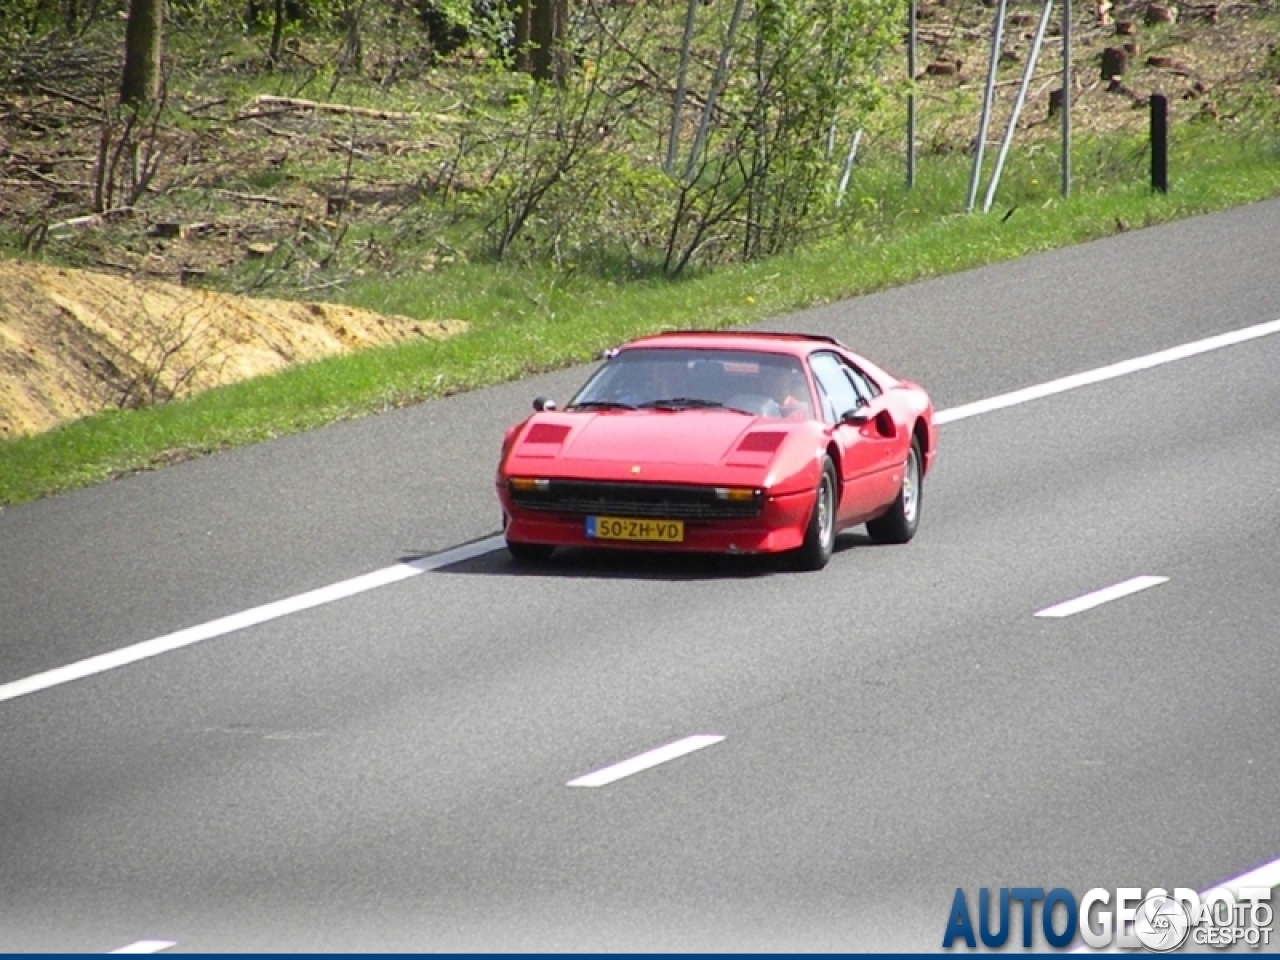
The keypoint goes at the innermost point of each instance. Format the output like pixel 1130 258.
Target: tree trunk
pixel 140 82
pixel 353 45
pixel 523 12
pixel 277 35
pixel 548 27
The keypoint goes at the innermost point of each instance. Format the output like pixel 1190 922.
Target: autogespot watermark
pixel 1127 918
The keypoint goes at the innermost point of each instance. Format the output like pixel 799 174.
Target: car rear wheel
pixel 529 553
pixel 820 535
pixel 902 520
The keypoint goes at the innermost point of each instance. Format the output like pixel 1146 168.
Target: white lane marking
pixel 468 551
pixel 378 578
pixel 1099 597
pixel 246 618
pixel 147 946
pixel 1109 372
pixel 646 760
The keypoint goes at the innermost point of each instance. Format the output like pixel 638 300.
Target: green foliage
pixel 22 19
pixel 755 173
pixel 456 12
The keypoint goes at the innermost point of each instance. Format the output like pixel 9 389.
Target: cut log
pixel 1114 63
pixel 1172 64
pixel 943 68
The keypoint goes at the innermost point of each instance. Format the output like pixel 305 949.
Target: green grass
pixel 525 320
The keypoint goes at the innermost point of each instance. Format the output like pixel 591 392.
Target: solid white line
pixel 147 946
pixel 401 571
pixel 468 551
pixel 246 618
pixel 205 631
pixel 1099 597
pixel 1110 372
pixel 646 760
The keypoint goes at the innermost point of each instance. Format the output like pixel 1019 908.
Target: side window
pixel 866 388
pixel 839 395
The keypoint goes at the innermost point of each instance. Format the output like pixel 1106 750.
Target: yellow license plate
pixel 629 528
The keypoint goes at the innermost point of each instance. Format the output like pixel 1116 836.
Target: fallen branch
pixel 200 108
pixel 45 179
pixel 122 268
pixel 294 103
pixel 93 219
pixel 393 148
pixel 259 198
pixel 70 98
pixel 77 223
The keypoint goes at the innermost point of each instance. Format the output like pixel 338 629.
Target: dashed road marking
pixel 147 946
pixel 645 761
pixel 1099 597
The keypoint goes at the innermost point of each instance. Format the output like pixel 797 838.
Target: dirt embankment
pixel 74 342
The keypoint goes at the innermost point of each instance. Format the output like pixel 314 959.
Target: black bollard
pixel 1160 142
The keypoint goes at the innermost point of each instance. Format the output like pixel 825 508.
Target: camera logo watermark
pixel 1162 924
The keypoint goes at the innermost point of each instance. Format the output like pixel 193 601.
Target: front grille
pixel 670 501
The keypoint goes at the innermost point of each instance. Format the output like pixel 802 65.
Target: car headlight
pixel 736 494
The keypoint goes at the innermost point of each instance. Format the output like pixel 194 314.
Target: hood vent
pixel 762 441
pixel 547 433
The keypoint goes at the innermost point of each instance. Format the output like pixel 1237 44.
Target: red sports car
pixel 724 442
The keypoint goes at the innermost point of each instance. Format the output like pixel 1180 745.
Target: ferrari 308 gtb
pixel 723 442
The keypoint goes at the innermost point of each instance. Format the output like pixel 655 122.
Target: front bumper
pixel 780 526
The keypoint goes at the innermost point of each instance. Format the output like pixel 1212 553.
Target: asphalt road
pixel 390 771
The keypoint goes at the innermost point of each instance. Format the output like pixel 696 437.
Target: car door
pixel 867 446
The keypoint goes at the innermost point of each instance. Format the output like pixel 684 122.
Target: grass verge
pixel 524 320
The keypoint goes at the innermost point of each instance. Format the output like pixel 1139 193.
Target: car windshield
pixel 754 382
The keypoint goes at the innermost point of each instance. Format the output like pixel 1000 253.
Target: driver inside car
pixel 787 387
pixel 667 380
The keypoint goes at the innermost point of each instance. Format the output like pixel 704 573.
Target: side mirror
pixel 857 416
pixel 543 403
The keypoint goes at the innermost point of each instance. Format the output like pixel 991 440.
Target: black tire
pixel 820 534
pixel 902 520
pixel 530 553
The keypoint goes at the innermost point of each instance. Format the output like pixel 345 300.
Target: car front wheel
pixel 820 535
pixel 900 523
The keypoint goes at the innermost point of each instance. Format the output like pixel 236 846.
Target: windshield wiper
pixel 600 405
pixel 681 403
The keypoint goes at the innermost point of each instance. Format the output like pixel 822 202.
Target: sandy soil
pixel 74 342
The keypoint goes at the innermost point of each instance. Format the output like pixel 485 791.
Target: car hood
pixel 658 436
